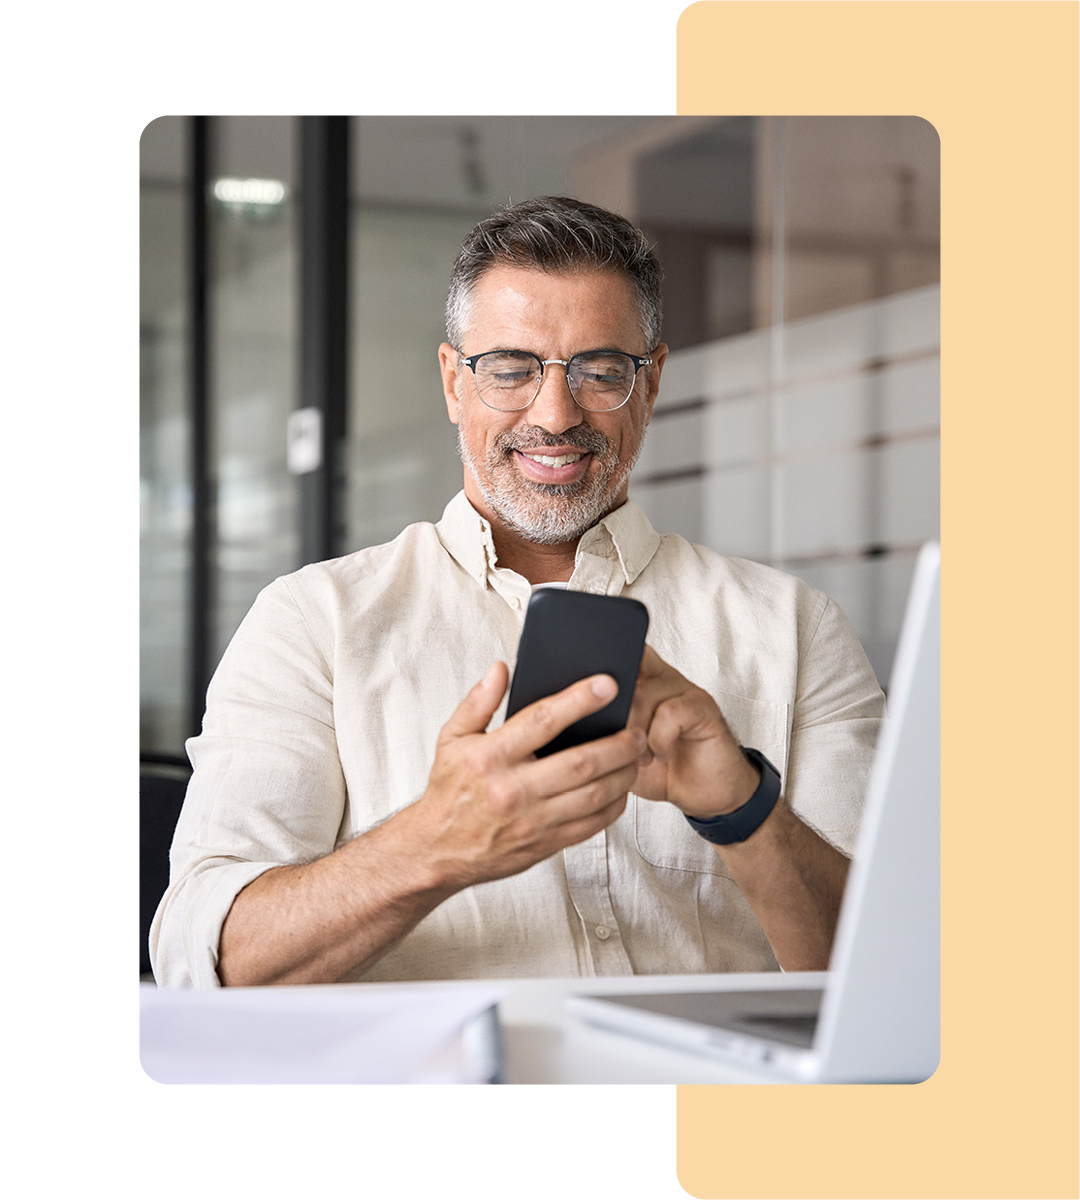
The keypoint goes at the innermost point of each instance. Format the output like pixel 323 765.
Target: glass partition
pixel 798 417
pixel 164 448
pixel 253 357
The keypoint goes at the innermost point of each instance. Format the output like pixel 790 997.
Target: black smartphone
pixel 569 636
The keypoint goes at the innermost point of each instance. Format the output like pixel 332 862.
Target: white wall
pixel 814 447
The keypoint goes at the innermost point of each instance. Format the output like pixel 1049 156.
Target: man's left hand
pixel 793 879
pixel 694 761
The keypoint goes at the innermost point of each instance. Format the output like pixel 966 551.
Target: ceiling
pixel 848 181
pixel 400 159
pixel 441 164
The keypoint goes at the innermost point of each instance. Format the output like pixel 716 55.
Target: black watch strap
pixel 737 826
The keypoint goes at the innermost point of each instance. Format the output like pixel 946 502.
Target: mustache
pixel 582 437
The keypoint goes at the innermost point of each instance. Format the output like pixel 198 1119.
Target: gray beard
pixel 549 514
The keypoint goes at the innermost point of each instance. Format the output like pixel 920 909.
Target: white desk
pixel 542 1041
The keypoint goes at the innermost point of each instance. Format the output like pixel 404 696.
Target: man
pixel 351 816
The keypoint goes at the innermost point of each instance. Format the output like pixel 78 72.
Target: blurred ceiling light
pixel 249 191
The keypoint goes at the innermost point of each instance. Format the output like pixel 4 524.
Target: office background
pixel 293 280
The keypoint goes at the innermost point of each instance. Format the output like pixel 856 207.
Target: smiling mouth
pixel 559 466
pixel 552 460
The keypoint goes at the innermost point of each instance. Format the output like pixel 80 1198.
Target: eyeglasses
pixel 599 380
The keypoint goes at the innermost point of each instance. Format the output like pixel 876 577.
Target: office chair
pixel 163 780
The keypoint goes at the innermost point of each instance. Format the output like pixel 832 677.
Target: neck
pixel 537 563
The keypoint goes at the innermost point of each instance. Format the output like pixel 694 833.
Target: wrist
pixel 738 823
pixel 415 854
pixel 728 790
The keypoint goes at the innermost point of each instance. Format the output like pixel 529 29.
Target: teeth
pixel 558 460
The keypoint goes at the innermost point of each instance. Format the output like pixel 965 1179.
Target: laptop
pixel 874 1016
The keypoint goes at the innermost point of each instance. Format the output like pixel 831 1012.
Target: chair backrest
pixel 162 784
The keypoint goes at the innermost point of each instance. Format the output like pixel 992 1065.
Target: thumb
pixel 474 713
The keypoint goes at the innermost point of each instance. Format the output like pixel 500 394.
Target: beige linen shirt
pixel 322 718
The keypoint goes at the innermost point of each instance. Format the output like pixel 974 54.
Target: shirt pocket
pixel 662 835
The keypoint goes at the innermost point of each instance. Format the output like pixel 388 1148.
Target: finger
pixel 690 717
pixel 667 706
pixel 656 681
pixel 590 798
pixel 474 713
pixel 535 725
pixel 580 829
pixel 673 718
pixel 578 766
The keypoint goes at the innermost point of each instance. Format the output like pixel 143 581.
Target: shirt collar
pixel 625 539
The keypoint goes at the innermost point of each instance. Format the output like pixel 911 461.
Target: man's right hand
pixel 492 809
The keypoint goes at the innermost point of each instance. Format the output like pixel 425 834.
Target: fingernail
pixel 604 687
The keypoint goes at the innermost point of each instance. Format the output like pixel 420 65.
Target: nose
pixel 554 407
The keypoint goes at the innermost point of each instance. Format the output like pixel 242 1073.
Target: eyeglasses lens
pixel 509 380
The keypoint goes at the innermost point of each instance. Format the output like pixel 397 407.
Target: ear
pixel 451 379
pixel 658 356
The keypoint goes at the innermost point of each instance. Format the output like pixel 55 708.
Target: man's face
pixel 509 475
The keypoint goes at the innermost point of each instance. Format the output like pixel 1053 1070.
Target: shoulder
pixel 320 593
pixel 413 547
pixel 735 580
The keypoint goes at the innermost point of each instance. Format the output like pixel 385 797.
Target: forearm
pixel 794 881
pixel 331 920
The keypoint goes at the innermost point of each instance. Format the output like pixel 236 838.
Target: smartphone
pixel 569 636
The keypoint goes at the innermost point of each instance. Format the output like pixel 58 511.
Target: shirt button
pixel 602 932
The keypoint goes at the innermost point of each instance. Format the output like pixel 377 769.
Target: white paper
pixel 315 1035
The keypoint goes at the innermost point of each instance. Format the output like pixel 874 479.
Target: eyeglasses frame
pixel 636 359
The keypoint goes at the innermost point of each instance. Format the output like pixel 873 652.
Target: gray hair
pixel 556 233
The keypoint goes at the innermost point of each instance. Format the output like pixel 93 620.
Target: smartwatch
pixel 737 826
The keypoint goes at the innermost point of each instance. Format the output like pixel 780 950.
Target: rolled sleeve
pixel 267 787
